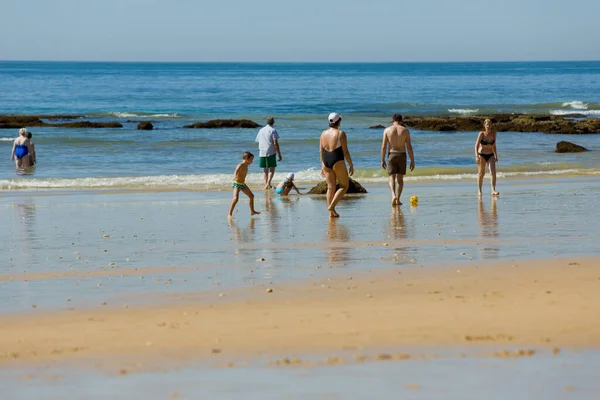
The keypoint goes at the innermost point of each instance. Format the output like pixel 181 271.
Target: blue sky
pixel 303 30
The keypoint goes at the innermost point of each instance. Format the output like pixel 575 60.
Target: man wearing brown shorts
pixel 396 142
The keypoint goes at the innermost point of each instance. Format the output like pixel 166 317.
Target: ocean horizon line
pixel 298 62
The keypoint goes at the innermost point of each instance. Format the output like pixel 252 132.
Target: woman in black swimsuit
pixel 333 148
pixel 485 153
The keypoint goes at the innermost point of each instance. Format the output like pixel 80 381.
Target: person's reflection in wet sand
pixel 398 232
pixel 290 201
pixel 488 228
pixel 26 215
pixel 273 213
pixel 397 224
pixel 337 232
pixel 245 235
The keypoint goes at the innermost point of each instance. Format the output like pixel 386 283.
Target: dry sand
pixel 526 303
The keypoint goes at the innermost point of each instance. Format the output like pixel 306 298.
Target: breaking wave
pixel 223 181
pixel 576 105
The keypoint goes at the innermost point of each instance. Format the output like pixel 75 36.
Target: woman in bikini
pixel 333 148
pixel 485 153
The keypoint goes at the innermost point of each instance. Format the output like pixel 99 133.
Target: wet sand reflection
pixel 243 235
pixel 488 227
pixel 398 224
pixel 338 232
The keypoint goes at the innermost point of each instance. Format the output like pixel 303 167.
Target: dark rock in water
pixel 377 127
pixel 145 126
pixel 20 121
pixel 353 187
pixel 590 125
pixel 224 123
pixel 568 147
pixel 87 124
pixel 574 115
pixel 507 123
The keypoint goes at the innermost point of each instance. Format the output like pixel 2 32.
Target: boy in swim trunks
pixel 285 187
pixel 397 138
pixel 239 184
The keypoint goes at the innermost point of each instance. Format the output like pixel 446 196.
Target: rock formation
pixel 20 121
pixel 353 187
pixel 224 123
pixel 506 123
pixel 568 147
pixel 145 126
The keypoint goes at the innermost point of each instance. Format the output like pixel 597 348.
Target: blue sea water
pixel 300 96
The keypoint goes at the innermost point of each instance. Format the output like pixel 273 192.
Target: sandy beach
pixel 129 285
pixel 548 303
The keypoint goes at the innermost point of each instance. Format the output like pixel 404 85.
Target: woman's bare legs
pixel 331 180
pixel 492 167
pixel 331 184
pixel 341 174
pixel 480 174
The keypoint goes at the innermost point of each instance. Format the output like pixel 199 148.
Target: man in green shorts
pixel 268 148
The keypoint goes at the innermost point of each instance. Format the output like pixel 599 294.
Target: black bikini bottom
pixel 486 156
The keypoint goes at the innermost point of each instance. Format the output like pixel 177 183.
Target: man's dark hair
pixel 270 121
pixel 247 155
pixel 29 135
pixel 397 118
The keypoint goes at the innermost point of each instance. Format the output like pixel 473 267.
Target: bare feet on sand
pixel 333 213
pixel 268 187
pixel 254 212
pixel 394 201
pixel 479 194
pixel 494 193
pixel 230 217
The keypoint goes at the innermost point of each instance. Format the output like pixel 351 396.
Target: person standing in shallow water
pixel 333 148
pixel 396 142
pixel 22 150
pixel 268 147
pixel 32 159
pixel 485 153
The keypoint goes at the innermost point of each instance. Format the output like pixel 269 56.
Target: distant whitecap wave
pixel 583 112
pixel 576 105
pixel 127 114
pixel 463 111
pixel 7 139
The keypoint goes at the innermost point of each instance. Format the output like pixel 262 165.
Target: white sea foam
pixel 122 114
pixel 584 112
pixel 577 105
pixel 6 139
pixel 463 111
pixel 224 180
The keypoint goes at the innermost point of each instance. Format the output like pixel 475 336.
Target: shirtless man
pixel 397 137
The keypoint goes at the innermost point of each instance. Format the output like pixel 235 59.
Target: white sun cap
pixel 290 176
pixel 334 117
